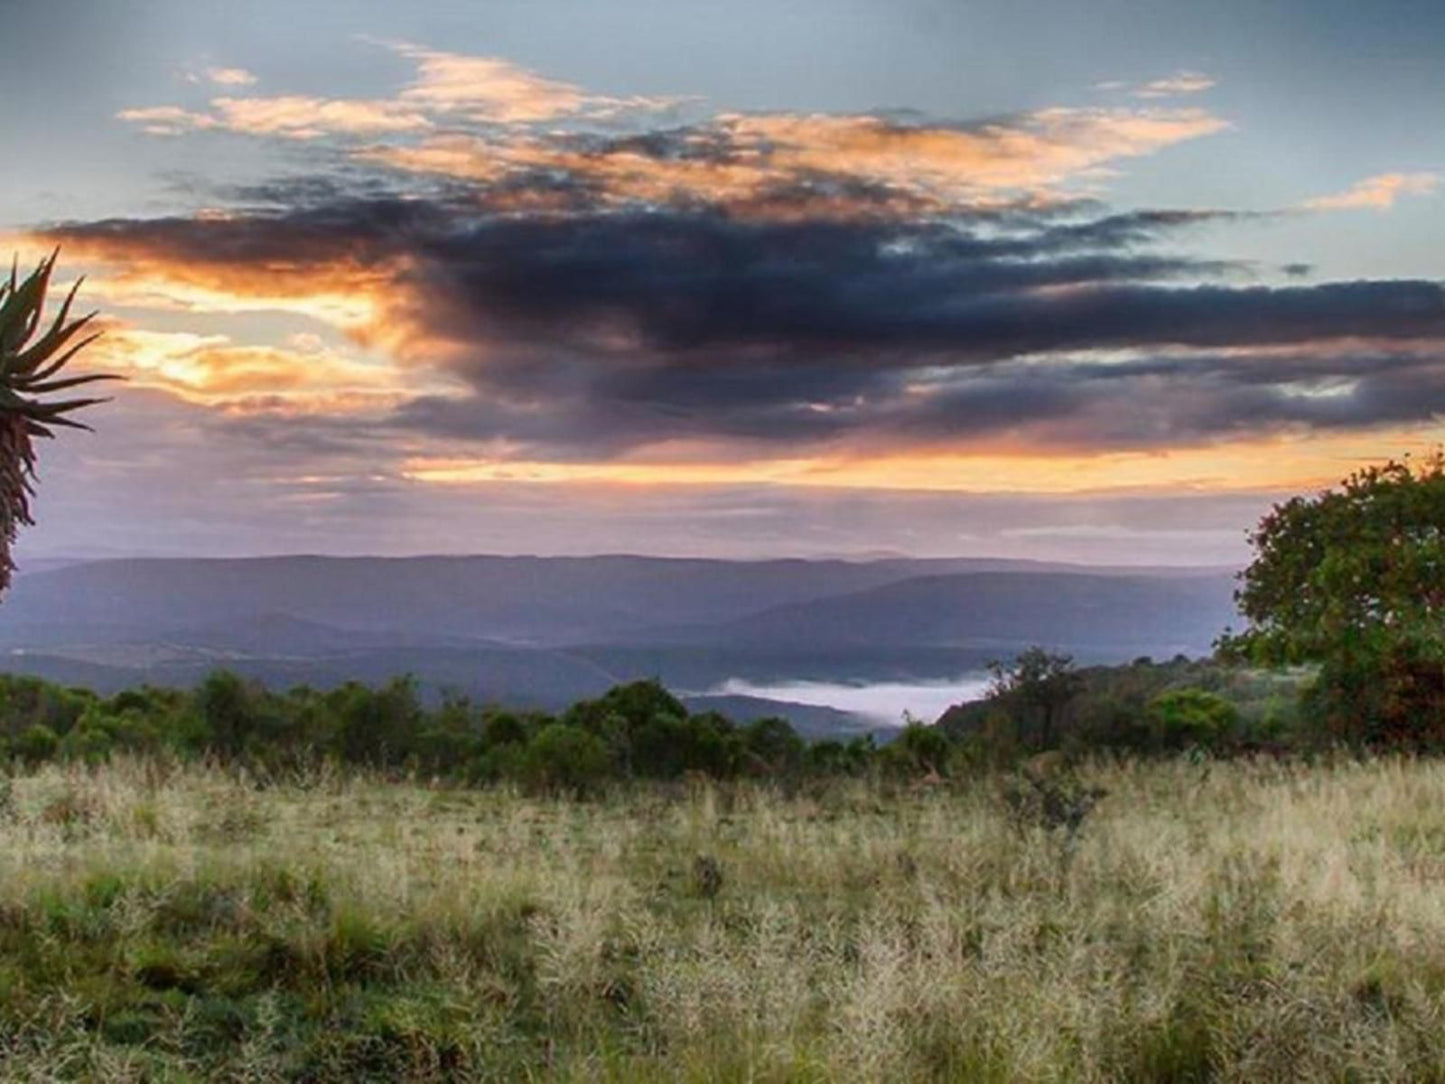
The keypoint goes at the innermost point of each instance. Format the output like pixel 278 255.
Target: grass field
pixel 1233 922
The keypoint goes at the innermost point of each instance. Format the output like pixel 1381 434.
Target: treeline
pixel 1144 708
pixel 640 731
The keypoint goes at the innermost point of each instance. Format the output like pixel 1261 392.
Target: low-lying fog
pixel 884 702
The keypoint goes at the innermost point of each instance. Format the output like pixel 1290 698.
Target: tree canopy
pixel 1353 578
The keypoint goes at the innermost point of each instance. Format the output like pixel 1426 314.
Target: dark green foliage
pixel 1387 691
pixel 377 727
pixel 634 732
pixel 28 701
pixel 772 747
pixel 641 731
pixel 1040 686
pixel 1353 579
pixel 642 727
pixel 1333 569
pixel 229 710
pixel 565 758
pixel 918 751
pixel 830 758
pixel 1192 718
pixel 36 743
pixel 1141 708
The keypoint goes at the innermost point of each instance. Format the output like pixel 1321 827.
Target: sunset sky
pixel 1072 281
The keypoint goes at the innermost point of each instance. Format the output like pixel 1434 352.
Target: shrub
pixel 26 700
pixel 229 712
pixel 503 728
pixel 773 747
pixel 377 727
pixel 564 758
pixel 35 744
pixel 1185 718
pixel 925 747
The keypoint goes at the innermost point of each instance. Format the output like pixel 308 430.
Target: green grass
pixel 1234 922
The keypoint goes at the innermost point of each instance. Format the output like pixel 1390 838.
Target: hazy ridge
pixel 543 632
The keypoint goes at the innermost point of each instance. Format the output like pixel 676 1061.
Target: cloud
pixel 1180 83
pixel 601 335
pixel 1378 192
pixel 448 88
pixel 272 486
pixel 230 77
pixel 737 158
pixel 476 118
pixel 799 167
pixel 486 88
pixel 303 376
pixel 167 120
pixel 1030 151
pixel 286 117
pixel 556 293
pixel 295 117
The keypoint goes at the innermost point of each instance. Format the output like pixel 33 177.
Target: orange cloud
pixel 1378 193
pixel 339 300
pixel 734 158
pixel 1293 462
pixel 295 117
pixel 1038 150
pixel 304 377
pixel 745 160
pixel 485 88
pixel 333 291
pixel 447 86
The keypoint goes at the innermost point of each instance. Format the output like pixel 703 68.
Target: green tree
pixel 378 727
pixel 565 758
pixel 1353 579
pixel 773 746
pixel 1037 688
pixel 230 710
pixel 31 365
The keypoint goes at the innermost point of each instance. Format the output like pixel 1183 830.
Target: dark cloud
pixel 590 333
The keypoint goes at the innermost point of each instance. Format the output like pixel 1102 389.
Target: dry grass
pixel 1249 922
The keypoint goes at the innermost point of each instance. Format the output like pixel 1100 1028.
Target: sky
pixel 935 277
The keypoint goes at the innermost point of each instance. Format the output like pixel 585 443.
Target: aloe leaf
pixel 52 341
pixel 55 366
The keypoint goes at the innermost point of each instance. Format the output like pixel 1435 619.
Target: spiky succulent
pixel 32 362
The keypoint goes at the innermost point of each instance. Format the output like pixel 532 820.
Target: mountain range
pixel 545 631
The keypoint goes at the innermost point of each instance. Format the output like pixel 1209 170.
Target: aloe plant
pixel 32 363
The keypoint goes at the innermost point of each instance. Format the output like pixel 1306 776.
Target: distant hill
pixel 987 609
pixel 553 600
